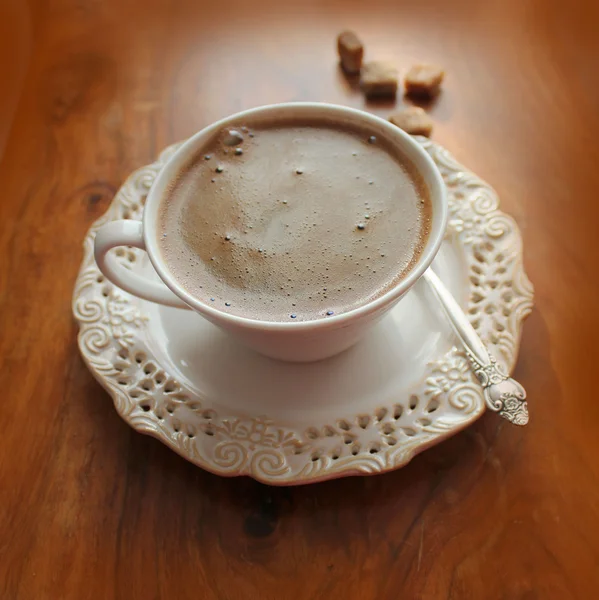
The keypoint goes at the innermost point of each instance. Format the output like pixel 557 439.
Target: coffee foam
pixel 294 221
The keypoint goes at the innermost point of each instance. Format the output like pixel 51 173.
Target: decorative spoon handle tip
pixel 503 394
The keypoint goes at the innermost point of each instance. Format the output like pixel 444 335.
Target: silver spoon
pixel 502 393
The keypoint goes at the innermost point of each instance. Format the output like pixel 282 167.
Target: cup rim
pixel 414 152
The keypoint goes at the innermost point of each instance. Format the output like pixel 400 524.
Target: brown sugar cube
pixel 350 51
pixel 413 120
pixel 424 80
pixel 379 80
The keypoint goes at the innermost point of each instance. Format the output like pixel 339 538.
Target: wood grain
pixel 91 509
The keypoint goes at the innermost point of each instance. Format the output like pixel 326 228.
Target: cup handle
pixel 129 233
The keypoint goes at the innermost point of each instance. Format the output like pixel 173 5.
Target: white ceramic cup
pixel 293 341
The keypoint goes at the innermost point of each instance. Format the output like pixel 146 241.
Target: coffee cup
pixel 300 341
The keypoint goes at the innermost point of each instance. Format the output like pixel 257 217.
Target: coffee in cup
pixel 294 220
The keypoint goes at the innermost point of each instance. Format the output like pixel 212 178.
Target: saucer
pixel 403 388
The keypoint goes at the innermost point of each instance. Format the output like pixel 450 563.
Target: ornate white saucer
pixel 404 388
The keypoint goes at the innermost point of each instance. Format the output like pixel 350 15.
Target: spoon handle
pixel 502 394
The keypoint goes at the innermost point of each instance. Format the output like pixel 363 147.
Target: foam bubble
pixel 233 138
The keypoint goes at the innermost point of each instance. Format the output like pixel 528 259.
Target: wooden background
pixel 90 509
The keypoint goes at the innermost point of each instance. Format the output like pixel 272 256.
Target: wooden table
pixel 91 509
